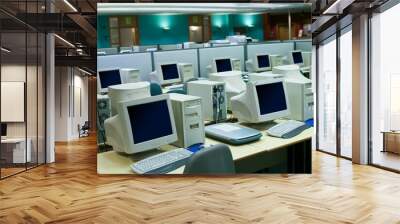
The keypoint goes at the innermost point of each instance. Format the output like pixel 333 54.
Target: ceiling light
pixel 84 71
pixel 337 7
pixel 5 50
pixel 70 5
pixel 65 41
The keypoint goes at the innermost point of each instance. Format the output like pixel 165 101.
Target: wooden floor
pixel 70 191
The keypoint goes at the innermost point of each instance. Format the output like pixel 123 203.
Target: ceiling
pixel 199 8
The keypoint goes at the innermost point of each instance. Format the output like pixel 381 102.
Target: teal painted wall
pixel 151 31
pixel 103 33
pixel 223 25
pixel 220 27
pixel 253 22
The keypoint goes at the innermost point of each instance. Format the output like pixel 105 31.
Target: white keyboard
pixel 162 163
pixel 287 129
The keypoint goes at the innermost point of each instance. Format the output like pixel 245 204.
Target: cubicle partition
pixel 270 48
pixel 141 61
pixel 177 56
pixel 199 57
pixel 207 55
pixel 302 45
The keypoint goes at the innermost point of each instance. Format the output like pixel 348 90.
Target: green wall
pixel 151 29
pixel 223 25
pixel 220 27
pixel 103 33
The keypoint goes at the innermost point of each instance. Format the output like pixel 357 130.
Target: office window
pixel 22 66
pixel 327 95
pixel 346 92
pixel 385 89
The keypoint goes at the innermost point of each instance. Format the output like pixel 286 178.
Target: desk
pixel 13 150
pixel 267 152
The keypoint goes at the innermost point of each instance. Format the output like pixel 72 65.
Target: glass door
pixel 346 92
pixel 385 89
pixel 326 115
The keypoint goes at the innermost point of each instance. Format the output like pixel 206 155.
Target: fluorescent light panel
pixel 84 71
pixel 338 6
pixel 64 40
pixel 70 5
pixel 115 8
pixel 5 50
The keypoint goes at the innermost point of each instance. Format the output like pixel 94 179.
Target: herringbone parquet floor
pixel 70 191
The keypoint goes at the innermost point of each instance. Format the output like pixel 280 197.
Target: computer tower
pixel 301 99
pixel 189 119
pixel 213 98
pixel 236 64
pixel 130 75
pixel 186 71
pixel 103 113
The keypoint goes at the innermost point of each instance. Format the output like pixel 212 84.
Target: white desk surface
pixel 112 162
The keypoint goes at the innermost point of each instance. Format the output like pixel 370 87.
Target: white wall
pixel 69 82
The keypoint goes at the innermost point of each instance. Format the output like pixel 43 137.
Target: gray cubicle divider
pixel 303 45
pixel 269 48
pixel 141 61
pixel 179 56
pixel 208 54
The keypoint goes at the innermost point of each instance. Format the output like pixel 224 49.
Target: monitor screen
pixel 271 98
pixel 223 65
pixel 297 57
pixel 263 61
pixel 150 121
pixel 109 78
pixel 3 129
pixel 170 71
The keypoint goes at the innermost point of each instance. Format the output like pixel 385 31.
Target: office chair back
pixel 180 91
pixel 216 159
pixel 155 89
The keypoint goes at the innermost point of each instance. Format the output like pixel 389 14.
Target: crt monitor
pixel 3 129
pixel 263 62
pixel 142 125
pixel 263 101
pixel 106 78
pixel 297 57
pixel 271 98
pixel 169 73
pixel 223 65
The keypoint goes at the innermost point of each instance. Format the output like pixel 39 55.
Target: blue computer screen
pixel 297 57
pixel 223 65
pixel 263 61
pixel 150 121
pixel 109 78
pixel 271 98
pixel 170 71
pixel 3 129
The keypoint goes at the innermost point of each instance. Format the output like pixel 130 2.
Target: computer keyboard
pixel 162 163
pixel 287 129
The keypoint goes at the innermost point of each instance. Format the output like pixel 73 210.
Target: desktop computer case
pixel 213 98
pixel 189 119
pixel 301 100
pixel 103 113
